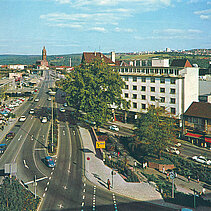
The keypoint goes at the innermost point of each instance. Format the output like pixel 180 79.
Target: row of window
pixel 152 98
pixel 143 106
pixel 152 80
pixel 149 71
pixel 152 89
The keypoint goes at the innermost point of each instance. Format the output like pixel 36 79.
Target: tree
pixel 156 129
pixel 92 88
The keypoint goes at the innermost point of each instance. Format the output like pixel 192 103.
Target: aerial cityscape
pixel 105 105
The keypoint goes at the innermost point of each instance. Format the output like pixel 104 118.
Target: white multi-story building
pixel 173 87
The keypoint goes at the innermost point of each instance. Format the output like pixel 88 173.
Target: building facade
pixel 173 87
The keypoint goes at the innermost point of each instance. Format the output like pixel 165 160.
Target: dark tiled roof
pixel 91 56
pixel 199 109
pixel 180 63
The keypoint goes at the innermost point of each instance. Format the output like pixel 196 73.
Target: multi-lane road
pixel 65 186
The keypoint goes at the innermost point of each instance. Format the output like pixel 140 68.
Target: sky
pixel 76 26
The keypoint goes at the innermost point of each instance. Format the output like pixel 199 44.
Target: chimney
pixel 113 56
pixel 95 53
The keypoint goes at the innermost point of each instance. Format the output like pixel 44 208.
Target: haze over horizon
pixel 75 26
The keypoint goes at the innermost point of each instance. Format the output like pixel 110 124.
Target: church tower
pixel 44 54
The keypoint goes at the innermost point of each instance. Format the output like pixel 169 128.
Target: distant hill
pixel 58 60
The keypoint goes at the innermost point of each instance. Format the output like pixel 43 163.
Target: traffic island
pixel 53 140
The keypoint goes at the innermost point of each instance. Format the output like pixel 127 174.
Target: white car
pixel 49 99
pixel 178 144
pixel 114 127
pixel 173 150
pixel 22 119
pixel 62 110
pixel 31 111
pixel 201 159
pixel 44 120
pixel 36 100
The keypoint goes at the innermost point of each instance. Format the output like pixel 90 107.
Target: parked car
pixel 62 110
pixel 37 100
pixel 22 119
pixel 31 111
pixel 49 161
pixel 113 127
pixel 178 144
pixel 173 150
pixel 44 120
pixel 201 159
pixel 10 135
pixel 49 99
pixel 65 104
pixel 2 148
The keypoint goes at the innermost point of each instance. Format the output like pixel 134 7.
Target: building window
pixel 152 80
pixel 143 79
pixel 173 111
pixel 172 100
pixel 143 88
pixel 126 78
pixel 166 71
pixel 152 89
pixel 173 81
pixel 172 91
pixel 143 106
pixel 126 86
pixel 134 87
pixel 171 71
pixel 162 80
pixel 134 96
pixel 126 70
pixel 126 95
pixel 152 98
pixel 163 108
pixel 134 105
pixel 162 99
pixel 162 90
pixel 143 97
pixel 135 79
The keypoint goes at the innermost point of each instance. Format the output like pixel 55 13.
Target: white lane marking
pixel 60 206
pixel 65 187
pixel 74 132
pixel 83 197
pixel 20 138
pixel 49 178
pixel 53 169
pixel 84 190
pixel 114 201
pixel 43 195
pixel 82 204
pixel 48 183
pixel 46 189
pixel 84 184
pixel 38 149
pixel 63 133
pixel 51 172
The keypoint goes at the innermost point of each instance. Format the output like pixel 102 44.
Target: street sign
pixel 100 144
pixel 172 175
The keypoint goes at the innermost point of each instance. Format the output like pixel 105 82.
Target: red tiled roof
pixel 193 135
pixel 180 63
pixel 199 109
pixel 91 56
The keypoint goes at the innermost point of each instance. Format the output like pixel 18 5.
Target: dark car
pixel 49 161
pixel 10 135
pixel 2 148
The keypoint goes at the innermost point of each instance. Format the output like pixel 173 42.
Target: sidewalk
pixel 98 173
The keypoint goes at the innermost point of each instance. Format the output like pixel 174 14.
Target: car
pixel 113 127
pixel 31 111
pixel 37 100
pixel 65 104
pixel 178 144
pixel 48 160
pixel 173 150
pixel 201 159
pixel 44 120
pixel 2 148
pixel 62 110
pixel 49 99
pixel 22 119
pixel 10 135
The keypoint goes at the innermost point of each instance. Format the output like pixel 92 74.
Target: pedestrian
pixel 203 191
pixel 198 180
pixel 109 184
pixel 163 170
pixel 188 178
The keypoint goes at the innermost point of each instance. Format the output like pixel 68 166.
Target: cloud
pixel 117 29
pixel 166 37
pixel 177 31
pixel 204 14
pixel 98 29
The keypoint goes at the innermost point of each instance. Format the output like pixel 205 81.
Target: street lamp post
pixel 52 127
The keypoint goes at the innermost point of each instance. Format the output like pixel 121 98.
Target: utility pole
pixel 194 198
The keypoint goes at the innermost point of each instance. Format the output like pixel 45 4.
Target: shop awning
pixel 208 140
pixel 193 135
